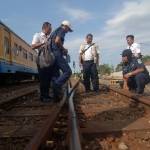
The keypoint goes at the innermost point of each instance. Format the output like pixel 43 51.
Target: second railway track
pixel 113 120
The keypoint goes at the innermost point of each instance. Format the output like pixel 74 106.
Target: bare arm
pixel 97 59
pixel 59 43
pixel 80 59
pixel 37 45
pixel 125 85
pixel 133 73
pixel 96 56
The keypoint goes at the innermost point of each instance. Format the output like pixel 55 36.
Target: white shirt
pixel 90 53
pixel 135 48
pixel 39 38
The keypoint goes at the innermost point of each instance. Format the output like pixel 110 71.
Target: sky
pixel 108 20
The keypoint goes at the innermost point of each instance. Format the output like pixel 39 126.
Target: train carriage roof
pixel 2 24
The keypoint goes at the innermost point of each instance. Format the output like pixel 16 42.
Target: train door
pixel 7 46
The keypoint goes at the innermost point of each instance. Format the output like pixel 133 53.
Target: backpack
pixel 45 56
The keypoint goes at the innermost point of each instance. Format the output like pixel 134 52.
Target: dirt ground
pixel 109 121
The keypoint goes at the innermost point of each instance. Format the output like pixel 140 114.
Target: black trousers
pixel 138 82
pixel 90 73
pixel 45 76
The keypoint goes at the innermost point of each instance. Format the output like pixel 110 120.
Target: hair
pixel 130 36
pixel 89 34
pixel 45 24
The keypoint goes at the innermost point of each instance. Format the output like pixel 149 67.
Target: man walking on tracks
pixel 135 74
pixel 88 59
pixel 39 41
pixel 58 37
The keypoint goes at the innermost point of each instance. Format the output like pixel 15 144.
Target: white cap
pixel 67 23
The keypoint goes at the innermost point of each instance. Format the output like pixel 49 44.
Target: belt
pixel 88 60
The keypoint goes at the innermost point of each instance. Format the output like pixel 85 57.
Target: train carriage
pixel 17 59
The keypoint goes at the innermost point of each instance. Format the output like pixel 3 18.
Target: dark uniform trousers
pixel 90 73
pixel 61 64
pixel 45 76
pixel 138 82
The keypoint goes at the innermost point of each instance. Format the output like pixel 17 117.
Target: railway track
pixel 111 120
pixel 28 124
pixel 11 91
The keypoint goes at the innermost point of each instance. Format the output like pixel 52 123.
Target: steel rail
pixel 40 138
pixel 137 98
pixel 75 142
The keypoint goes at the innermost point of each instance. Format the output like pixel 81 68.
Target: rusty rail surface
pixel 45 132
pixel 41 137
pixel 142 99
pixel 75 142
pixel 13 98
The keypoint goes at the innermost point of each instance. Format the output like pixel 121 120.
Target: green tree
pixel 105 69
pixel 118 67
pixel 146 58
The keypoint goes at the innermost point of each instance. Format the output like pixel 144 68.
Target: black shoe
pixel 57 99
pixel 140 92
pixel 97 91
pixel 57 93
pixel 46 99
pixel 50 97
pixel 133 90
pixel 88 90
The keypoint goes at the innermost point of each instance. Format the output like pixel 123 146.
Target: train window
pixel 31 56
pixel 20 48
pixel 25 54
pixel 6 45
pixel 16 49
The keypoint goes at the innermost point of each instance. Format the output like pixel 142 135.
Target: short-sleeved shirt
pixel 133 65
pixel 135 48
pixel 40 38
pixel 89 53
pixel 60 33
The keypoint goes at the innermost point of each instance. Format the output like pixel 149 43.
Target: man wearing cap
pixel 58 37
pixel 88 59
pixel 135 74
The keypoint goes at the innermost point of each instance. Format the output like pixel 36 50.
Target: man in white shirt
pixel 45 74
pixel 88 60
pixel 134 47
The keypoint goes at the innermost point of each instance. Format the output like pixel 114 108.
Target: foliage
pixel 118 67
pixel 105 69
pixel 146 58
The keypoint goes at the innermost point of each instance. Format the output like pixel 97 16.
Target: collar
pixel 131 44
pixel 43 34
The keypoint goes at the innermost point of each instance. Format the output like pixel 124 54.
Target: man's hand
pixel 125 85
pixel 65 51
pixel 128 75
pixel 80 65
pixel 38 45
